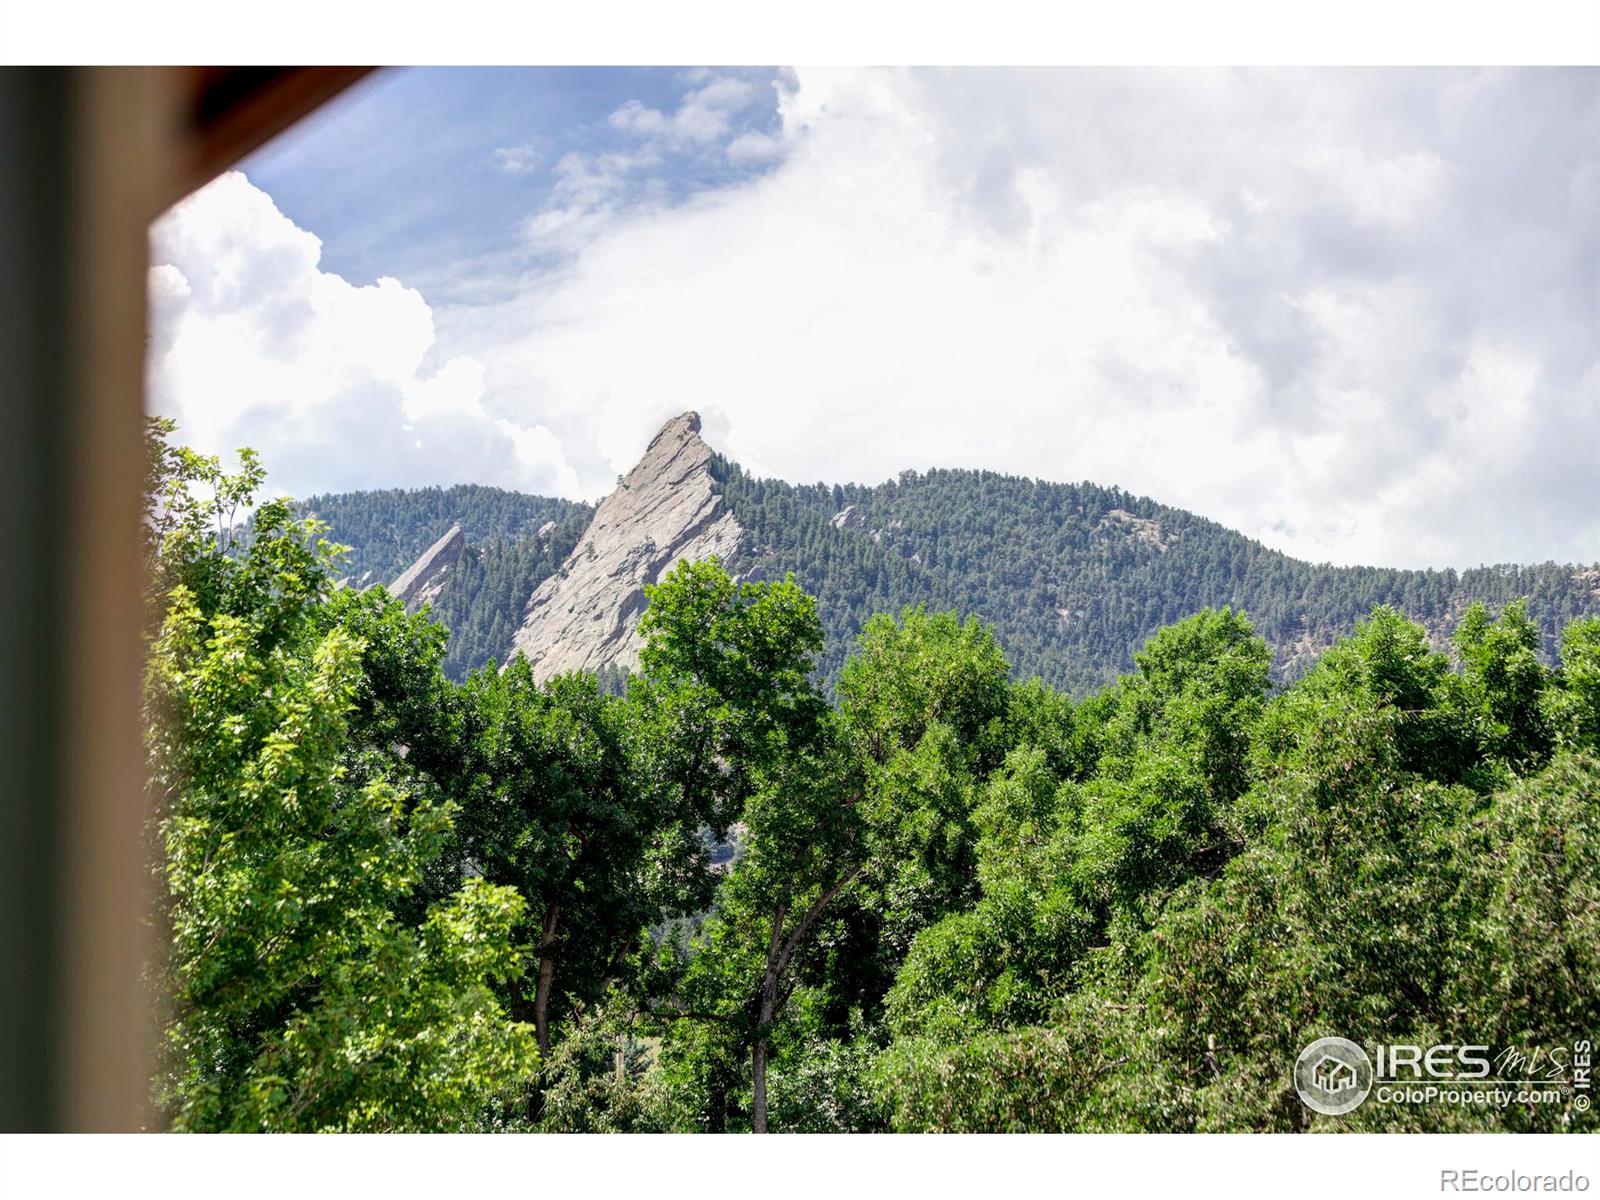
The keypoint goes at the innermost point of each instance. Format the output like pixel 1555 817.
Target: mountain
pixel 387 530
pixel 586 616
pixel 510 543
pixel 423 581
pixel 1074 577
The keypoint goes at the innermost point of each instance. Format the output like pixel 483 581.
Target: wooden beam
pixel 227 112
pixel 88 157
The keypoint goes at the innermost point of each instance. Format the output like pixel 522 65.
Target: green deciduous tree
pixel 1573 703
pixel 301 997
pixel 733 664
pixel 550 807
pixel 1506 682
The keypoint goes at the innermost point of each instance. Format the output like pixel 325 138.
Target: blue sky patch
pixel 425 173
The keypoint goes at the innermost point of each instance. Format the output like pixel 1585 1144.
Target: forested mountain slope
pixel 1073 577
pixel 514 543
pixel 386 530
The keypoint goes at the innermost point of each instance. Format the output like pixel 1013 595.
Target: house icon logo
pixel 1333 1076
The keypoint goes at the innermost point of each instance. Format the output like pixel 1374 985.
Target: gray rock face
pixel 586 615
pixel 421 581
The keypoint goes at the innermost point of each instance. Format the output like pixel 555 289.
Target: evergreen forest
pixel 1072 578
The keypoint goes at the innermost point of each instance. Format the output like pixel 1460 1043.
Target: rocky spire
pixel 421 581
pixel 586 616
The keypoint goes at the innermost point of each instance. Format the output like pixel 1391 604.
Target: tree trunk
pixel 758 1066
pixel 769 1001
pixel 547 969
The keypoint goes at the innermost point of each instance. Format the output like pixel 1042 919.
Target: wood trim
pixel 227 112
pixel 90 157
pixel 106 1017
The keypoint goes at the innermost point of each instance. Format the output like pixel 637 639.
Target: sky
pixel 1354 314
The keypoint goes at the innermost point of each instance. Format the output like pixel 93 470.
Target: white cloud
pixel 755 146
pixel 337 385
pixel 1327 309
pixel 592 189
pixel 519 160
pixel 704 115
pixel 1349 313
pixel 589 191
pixel 634 117
pixel 1382 189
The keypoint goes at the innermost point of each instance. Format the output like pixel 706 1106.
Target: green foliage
pixel 1393 866
pixel 1533 940
pixel 733 664
pixel 924 703
pixel 550 807
pixel 1573 704
pixel 1020 1080
pixel 821 1080
pixel 1173 761
pixel 923 669
pixel 1506 682
pixel 725 682
pixel 600 1079
pixel 302 998
pixel 945 901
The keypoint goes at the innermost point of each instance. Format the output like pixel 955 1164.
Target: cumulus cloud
pixel 1351 313
pixel 704 115
pixel 337 385
pixel 755 146
pixel 519 160
pixel 636 118
pixel 591 189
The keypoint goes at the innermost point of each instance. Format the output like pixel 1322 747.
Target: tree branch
pixel 813 913
pixel 690 1014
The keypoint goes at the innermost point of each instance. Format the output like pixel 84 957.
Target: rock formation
pixel 586 615
pixel 421 581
